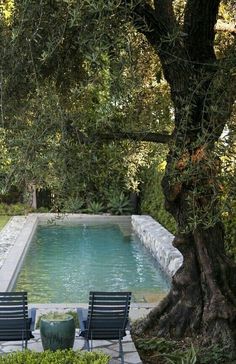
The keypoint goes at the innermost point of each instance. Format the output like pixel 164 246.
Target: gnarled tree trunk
pixel 203 295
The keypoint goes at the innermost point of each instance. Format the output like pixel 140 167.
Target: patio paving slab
pixel 109 347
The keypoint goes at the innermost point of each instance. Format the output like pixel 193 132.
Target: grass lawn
pixel 3 220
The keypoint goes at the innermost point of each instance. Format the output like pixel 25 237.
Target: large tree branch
pixel 165 15
pixel 118 136
pixel 144 20
pixel 156 22
pixel 141 136
pixel 199 22
pixel 164 34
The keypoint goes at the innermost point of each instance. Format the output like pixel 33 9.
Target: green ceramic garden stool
pixel 57 332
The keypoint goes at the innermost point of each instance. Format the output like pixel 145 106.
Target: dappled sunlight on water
pixel 65 262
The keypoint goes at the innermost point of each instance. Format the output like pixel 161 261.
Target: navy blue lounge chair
pixel 107 317
pixel 16 321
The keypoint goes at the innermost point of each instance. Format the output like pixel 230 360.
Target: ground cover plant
pixel 58 357
pixel 155 350
pixel 3 220
pixel 14 209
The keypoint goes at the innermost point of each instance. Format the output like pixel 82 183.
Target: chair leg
pixel 91 342
pixel 121 352
pixel 86 344
pixel 24 342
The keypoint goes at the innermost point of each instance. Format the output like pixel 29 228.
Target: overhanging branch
pixel 199 22
pixel 162 138
pixel 141 137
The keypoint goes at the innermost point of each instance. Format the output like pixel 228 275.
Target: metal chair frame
pixel 107 317
pixel 16 321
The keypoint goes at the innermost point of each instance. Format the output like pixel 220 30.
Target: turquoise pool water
pixel 64 263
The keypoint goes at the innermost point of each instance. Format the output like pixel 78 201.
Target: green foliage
pixel 187 357
pixel 16 209
pixel 171 352
pixel 3 220
pixel 42 210
pixel 228 200
pixel 215 354
pixel 154 344
pixel 73 89
pixel 229 219
pixel 73 205
pixel 95 207
pixel 58 357
pixel 19 209
pixel 119 204
pixel 152 199
pixel 58 315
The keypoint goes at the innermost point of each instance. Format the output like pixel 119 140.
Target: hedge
pixel 57 357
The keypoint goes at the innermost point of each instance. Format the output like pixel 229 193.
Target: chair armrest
pixel 127 327
pixel 32 315
pixel 82 316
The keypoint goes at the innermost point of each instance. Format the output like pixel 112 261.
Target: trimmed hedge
pixel 57 357
pixel 16 209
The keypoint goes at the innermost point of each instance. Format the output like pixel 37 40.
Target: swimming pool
pixel 63 263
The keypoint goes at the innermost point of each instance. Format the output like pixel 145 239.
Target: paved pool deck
pixel 14 239
pixel 110 347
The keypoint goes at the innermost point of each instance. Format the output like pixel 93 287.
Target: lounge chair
pixel 107 317
pixel 16 321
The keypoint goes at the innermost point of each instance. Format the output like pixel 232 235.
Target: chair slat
pixel 109 303
pixel 108 308
pixel 108 294
pixel 14 320
pixel 10 294
pixel 11 303
pixel 109 311
pixel 12 308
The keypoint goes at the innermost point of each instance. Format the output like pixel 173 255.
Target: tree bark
pixel 203 295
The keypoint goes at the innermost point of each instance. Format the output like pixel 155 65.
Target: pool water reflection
pixel 64 263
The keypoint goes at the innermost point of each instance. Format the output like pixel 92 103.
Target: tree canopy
pixel 82 82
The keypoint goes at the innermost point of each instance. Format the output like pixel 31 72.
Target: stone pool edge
pixel 158 241
pixel 12 264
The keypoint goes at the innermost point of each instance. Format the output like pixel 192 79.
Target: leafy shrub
pixel 73 205
pixel 229 219
pixel 215 354
pixel 95 207
pixel 152 199
pixel 182 357
pixel 119 204
pixel 177 352
pixel 158 344
pixel 42 209
pixel 58 357
pixel 16 209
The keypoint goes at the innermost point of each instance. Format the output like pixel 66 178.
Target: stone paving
pixel 110 347
pixel 9 234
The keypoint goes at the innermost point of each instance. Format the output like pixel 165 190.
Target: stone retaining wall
pixel 158 241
